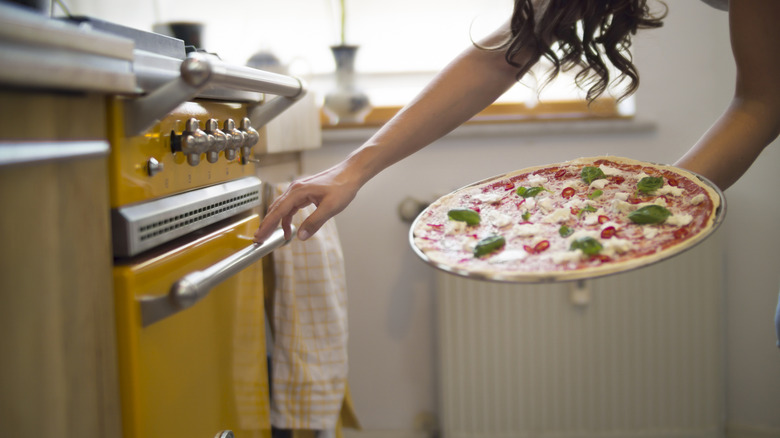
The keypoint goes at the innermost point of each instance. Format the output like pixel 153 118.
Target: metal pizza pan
pixel 578 275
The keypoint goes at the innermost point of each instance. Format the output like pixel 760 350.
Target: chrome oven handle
pixel 196 285
pixel 200 69
pixel 198 72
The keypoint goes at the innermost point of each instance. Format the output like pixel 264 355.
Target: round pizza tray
pixel 563 276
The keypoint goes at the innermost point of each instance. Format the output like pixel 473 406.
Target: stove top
pixel 145 41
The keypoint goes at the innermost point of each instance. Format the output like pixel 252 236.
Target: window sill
pixel 555 118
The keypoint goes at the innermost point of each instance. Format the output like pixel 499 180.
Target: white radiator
pixel 641 356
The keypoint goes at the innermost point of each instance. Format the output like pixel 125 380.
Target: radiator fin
pixel 642 358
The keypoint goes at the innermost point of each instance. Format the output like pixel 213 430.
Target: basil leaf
pixel 526 216
pixel 488 245
pixel 588 208
pixel 565 231
pixel 649 214
pixel 595 194
pixel 650 184
pixel 529 192
pixel 587 245
pixel 466 215
pixel 590 174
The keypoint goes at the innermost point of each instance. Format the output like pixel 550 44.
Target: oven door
pixel 202 368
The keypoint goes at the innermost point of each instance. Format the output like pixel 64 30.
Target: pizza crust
pixel 433 254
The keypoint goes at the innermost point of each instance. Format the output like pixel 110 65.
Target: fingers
pixel 329 197
pixel 281 210
pixel 327 209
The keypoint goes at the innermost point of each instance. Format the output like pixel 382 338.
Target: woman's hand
pixel 331 191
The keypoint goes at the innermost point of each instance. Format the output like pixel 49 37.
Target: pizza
pixel 579 219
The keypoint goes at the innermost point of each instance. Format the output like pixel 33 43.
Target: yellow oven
pixel 191 335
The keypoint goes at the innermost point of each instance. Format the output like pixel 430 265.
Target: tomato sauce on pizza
pixel 579 219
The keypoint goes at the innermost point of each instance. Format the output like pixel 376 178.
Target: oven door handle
pixel 196 285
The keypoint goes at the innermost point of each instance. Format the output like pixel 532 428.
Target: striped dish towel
pixel 309 358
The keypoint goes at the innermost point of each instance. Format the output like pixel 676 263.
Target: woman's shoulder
pixel 719 4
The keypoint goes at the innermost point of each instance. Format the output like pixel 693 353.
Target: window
pixel 402 43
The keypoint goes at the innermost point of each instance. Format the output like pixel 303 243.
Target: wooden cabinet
pixel 57 331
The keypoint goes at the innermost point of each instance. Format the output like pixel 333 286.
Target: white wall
pixel 687 77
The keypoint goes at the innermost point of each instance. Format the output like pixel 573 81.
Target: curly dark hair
pixel 580 33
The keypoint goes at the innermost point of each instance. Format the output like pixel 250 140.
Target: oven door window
pixel 203 369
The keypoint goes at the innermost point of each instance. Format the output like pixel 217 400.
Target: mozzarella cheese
pixel 567 256
pixel 557 216
pixel 508 256
pixel 489 198
pixel 650 232
pixel 536 180
pixel 454 227
pixel 546 204
pixel 610 171
pixel 498 219
pixel 616 246
pixel 523 230
pixel 679 220
pixel 669 190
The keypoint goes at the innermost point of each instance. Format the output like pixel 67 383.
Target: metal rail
pixel 196 285
pixel 201 71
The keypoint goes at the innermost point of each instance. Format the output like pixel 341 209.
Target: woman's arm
pixel 752 120
pixel 471 82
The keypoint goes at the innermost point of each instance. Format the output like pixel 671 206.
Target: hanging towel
pixel 309 356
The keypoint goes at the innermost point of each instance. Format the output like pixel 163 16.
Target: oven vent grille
pixel 197 215
pixel 139 227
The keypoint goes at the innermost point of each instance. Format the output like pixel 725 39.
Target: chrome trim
pixel 18 153
pixel 196 285
pixel 201 75
pixel 139 227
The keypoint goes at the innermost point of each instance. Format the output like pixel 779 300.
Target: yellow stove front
pixel 201 370
pixel 145 166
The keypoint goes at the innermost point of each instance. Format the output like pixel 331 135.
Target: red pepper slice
pixel 568 192
pixel 575 211
pixel 672 182
pixel 541 246
pixel 603 219
pixel 608 232
pixel 602 258
pixel 560 174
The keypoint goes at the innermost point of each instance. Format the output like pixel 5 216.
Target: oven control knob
pixel 195 141
pixel 220 140
pixel 236 139
pixel 153 167
pixel 251 137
